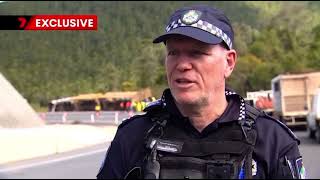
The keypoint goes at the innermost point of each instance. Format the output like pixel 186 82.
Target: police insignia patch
pixel 300 168
pixel 191 17
pixel 254 168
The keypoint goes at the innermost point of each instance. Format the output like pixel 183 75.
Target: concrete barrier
pixel 25 143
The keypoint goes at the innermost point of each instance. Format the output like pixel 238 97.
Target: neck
pixel 201 115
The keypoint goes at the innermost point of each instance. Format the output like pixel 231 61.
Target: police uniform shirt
pixel 276 153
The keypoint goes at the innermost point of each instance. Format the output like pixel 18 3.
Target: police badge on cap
pixel 191 17
pixel 202 23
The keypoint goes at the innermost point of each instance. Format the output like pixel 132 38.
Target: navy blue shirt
pixel 276 153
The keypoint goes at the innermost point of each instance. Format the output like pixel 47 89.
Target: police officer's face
pixel 196 71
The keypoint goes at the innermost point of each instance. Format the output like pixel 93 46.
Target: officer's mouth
pixel 183 82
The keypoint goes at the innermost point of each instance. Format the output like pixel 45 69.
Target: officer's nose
pixel 183 64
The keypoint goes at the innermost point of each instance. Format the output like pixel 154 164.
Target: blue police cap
pixel 200 22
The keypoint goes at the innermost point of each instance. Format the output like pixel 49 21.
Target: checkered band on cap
pixel 203 25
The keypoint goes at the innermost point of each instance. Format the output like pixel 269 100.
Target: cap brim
pixel 192 32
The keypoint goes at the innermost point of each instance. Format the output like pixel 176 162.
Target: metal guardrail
pixel 86 117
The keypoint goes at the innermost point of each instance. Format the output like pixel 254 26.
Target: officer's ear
pixel 231 60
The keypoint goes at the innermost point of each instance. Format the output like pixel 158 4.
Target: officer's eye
pixel 172 52
pixel 196 53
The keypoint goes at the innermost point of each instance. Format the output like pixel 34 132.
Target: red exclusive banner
pixel 49 22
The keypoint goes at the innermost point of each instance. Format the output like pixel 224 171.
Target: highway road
pixel 310 151
pixel 79 164
pixel 84 163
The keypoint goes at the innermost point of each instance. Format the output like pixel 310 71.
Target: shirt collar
pixel 235 110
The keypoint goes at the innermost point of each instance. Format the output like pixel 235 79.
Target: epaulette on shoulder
pixel 158 104
pixel 130 119
pixel 255 113
pixel 286 128
pixel 252 112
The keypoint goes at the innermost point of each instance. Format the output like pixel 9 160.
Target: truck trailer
pixel 293 95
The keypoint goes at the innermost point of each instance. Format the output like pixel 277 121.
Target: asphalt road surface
pixel 79 164
pixel 310 151
pixel 85 163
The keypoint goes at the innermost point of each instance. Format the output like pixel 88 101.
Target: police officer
pixel 200 128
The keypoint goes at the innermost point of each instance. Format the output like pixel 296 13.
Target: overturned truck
pixel 109 101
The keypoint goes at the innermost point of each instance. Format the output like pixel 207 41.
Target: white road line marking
pixel 2 170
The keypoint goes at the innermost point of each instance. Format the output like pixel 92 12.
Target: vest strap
pixel 199 149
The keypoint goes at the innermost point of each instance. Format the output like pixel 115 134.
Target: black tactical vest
pixel 226 153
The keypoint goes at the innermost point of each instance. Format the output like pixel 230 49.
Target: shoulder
pixel 133 126
pixel 142 120
pixel 274 139
pixel 267 124
pixel 125 149
pixel 154 106
pixel 136 120
pixel 274 142
pixel 131 120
